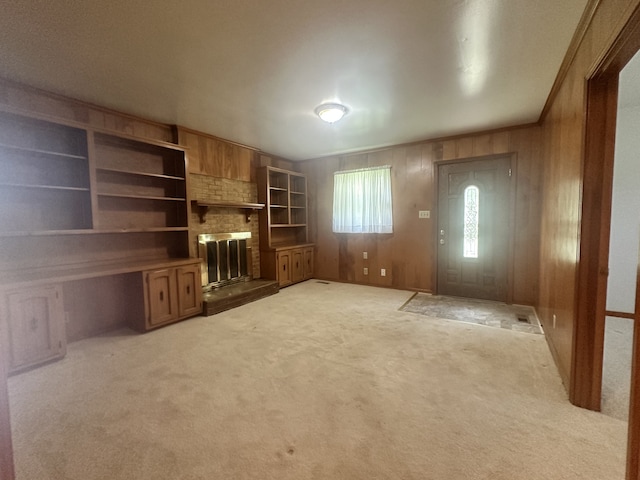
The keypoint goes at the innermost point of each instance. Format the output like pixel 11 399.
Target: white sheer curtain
pixel 362 201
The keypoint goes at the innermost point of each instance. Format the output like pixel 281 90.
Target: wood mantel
pixel 203 207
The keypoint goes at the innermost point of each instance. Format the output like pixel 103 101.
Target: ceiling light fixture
pixel 331 112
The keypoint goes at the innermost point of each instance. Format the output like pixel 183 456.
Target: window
pixel 362 201
pixel 471 217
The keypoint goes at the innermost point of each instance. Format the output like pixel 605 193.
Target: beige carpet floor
pixel 616 368
pixel 321 381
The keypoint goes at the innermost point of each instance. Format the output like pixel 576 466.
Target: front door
pixel 473 228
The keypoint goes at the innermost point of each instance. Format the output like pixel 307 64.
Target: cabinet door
pixel 35 327
pixel 297 260
pixel 284 268
pixel 308 263
pixel 189 290
pixel 161 296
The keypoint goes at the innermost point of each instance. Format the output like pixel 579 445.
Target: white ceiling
pixel 253 71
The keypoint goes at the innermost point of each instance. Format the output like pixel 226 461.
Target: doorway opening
pixel 585 387
pixel 623 247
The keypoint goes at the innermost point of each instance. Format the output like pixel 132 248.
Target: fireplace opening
pixel 226 258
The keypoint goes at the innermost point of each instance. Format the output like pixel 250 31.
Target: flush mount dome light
pixel 331 112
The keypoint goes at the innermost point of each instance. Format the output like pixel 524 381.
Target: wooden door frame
pixel 511 214
pixel 601 107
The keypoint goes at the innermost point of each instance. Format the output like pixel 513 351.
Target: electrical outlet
pixel 366 271
pixel 424 214
pixel 383 272
pixel 364 255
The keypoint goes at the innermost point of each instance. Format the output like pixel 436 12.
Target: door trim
pixel 585 388
pixel 511 215
pixel 585 385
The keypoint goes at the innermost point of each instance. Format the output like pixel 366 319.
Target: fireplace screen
pixel 225 258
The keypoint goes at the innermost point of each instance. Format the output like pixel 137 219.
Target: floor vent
pixel 523 319
pixel 320 281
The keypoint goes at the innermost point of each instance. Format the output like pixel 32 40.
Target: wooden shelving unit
pixel 45 181
pixel 285 252
pixel 80 204
pixel 139 184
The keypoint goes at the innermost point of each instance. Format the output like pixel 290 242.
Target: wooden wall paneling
pixel 320 174
pixel 464 147
pixel 482 145
pixel 357 245
pixel 404 218
pixel 410 233
pixel 345 259
pixel 384 254
pixel 215 157
pixel 382 244
pixel 194 147
pixel 525 278
pixel 562 231
pixel 268 160
pixel 210 159
pixel 558 254
pixel 408 254
pixel 449 150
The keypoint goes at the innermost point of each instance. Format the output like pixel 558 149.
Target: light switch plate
pixel 424 214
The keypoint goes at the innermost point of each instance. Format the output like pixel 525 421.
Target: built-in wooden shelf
pixel 37 151
pixel 141 197
pixel 136 173
pixel 44 187
pixel 203 207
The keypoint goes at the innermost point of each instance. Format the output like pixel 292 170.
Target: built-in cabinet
pixel 76 203
pixel 171 294
pixel 285 252
pixel 34 326
pixel 294 264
